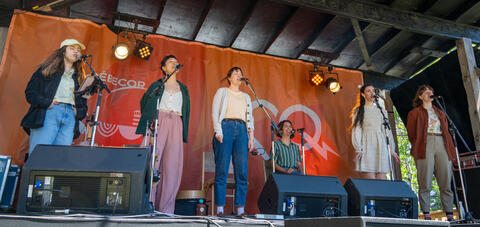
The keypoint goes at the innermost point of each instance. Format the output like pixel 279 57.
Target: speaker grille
pixel 97 192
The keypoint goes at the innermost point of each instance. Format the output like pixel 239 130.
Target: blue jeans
pixel 57 128
pixel 235 145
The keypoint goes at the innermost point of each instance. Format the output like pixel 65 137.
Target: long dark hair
pixel 417 101
pixel 55 64
pixel 229 74
pixel 359 110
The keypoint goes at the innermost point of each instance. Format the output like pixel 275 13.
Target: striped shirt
pixel 287 156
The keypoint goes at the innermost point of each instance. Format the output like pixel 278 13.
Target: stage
pixel 87 220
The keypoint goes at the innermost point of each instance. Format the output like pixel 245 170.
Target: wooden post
pixel 393 126
pixel 471 83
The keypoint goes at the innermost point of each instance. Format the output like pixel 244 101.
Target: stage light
pixel 143 50
pixel 333 85
pixel 120 51
pixel 316 77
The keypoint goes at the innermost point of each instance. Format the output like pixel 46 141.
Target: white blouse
pixel 433 122
pixel 171 102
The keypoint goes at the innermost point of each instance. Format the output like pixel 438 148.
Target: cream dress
pixel 370 140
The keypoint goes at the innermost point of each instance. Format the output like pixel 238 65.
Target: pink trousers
pixel 168 162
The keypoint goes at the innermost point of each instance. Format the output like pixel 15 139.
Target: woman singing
pixel 432 149
pixel 368 137
pixel 173 120
pixel 233 125
pixel 54 108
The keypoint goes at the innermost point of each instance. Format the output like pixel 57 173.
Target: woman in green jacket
pixel 173 116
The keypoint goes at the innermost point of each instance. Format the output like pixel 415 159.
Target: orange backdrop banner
pixel 281 84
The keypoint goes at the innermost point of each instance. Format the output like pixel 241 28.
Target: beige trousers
pixel 435 163
pixel 169 162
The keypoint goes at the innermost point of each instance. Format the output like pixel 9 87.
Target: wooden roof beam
pixel 243 22
pixel 405 20
pixel 204 14
pixel 278 30
pixel 361 43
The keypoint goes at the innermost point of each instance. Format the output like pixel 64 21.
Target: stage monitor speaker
pixel 363 222
pixel 472 188
pixel 381 198
pixel 303 196
pixel 84 179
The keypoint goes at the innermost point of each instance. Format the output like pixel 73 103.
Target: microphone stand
pixel 467 217
pixel 386 127
pixel 155 93
pixel 100 85
pixel 301 130
pixel 273 126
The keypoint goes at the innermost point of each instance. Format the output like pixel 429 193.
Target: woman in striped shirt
pixel 287 153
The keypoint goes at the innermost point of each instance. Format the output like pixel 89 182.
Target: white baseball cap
pixel 69 42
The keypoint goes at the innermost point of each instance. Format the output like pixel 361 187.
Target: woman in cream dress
pixel 368 137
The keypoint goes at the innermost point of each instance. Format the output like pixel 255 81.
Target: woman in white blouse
pixel 233 125
pixel 173 119
pixel 368 137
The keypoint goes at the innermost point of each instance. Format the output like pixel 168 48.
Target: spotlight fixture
pixel 316 78
pixel 316 75
pixel 333 85
pixel 143 50
pixel 120 51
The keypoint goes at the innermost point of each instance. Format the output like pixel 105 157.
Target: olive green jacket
pixel 148 106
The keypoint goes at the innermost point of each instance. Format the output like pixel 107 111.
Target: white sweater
pixel 219 107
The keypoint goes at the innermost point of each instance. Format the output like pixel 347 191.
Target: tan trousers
pixel 435 163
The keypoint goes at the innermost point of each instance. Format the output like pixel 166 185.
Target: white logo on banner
pixel 106 129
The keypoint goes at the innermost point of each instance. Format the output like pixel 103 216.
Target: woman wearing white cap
pixel 54 108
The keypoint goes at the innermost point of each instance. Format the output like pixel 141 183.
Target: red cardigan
pixel 417 127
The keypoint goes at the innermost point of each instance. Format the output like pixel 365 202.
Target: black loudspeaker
pixel 364 222
pixel 303 196
pixel 84 179
pixel 381 198
pixel 472 187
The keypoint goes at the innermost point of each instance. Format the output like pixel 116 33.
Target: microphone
pixel 293 131
pixel 178 66
pixel 243 79
pixel 300 130
pixel 435 96
pixel 377 93
pixel 80 56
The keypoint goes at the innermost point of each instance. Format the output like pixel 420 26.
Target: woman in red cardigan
pixel 432 149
